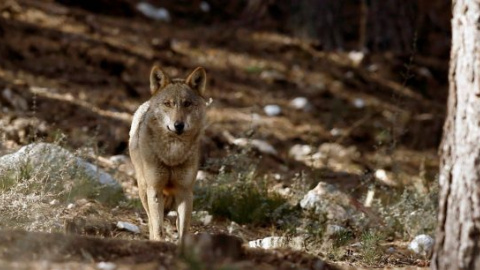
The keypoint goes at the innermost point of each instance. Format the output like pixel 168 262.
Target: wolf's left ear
pixel 197 80
pixel 158 79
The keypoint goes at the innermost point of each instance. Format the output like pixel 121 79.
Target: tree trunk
pixel 458 233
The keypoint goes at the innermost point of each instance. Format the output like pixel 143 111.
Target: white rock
pixel 260 145
pixel 272 110
pixel 300 103
pixel 54 202
pixel 234 228
pixel 152 12
pixel 422 245
pixel 106 266
pixel 327 199
pixel 359 103
pixel 123 225
pixel 336 132
pixel 205 6
pixel 201 175
pixel 272 242
pixel 45 156
pixel 356 57
pixel 300 151
pixel 263 147
pixel 203 216
pixel 385 177
pixel 70 206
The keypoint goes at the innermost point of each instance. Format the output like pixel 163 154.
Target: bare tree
pixel 458 232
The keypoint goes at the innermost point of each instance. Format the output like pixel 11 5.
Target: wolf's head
pixel 178 104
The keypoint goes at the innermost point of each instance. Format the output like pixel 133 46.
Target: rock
pixel 106 266
pixel 272 110
pixel 356 57
pixel 201 175
pixel 300 151
pixel 45 157
pixel 359 103
pixel 301 103
pixel 327 199
pixel 203 217
pixel 234 228
pixel 54 202
pixel 263 147
pixel 272 242
pixel 260 145
pixel 212 248
pixel 422 245
pixel 385 178
pixel 152 12
pixel 204 6
pixel 282 189
pixel 338 151
pixel 123 225
pixel 272 76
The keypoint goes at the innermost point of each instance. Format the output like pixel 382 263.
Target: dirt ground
pixel 76 75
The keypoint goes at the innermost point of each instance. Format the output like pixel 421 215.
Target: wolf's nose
pixel 179 126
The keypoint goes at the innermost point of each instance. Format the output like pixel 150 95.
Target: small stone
pixel 152 12
pixel 336 132
pixel 70 206
pixel 300 151
pixel 272 242
pixel 233 228
pixel 272 110
pixel 300 103
pixel 123 225
pixel 203 216
pixel 54 202
pixel 204 6
pixel 358 103
pixel 356 57
pixel 106 266
pixel 201 175
pixel 422 245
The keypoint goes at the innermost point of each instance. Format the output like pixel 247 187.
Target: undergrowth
pixel 241 195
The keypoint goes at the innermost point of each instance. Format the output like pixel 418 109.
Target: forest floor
pixel 74 75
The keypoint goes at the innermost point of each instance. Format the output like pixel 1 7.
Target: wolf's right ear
pixel 158 79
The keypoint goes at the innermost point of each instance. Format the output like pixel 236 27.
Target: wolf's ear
pixel 158 79
pixel 197 80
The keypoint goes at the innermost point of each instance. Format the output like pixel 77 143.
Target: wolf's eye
pixel 187 104
pixel 167 104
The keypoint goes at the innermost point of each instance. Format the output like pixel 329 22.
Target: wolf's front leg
pixel 184 201
pixel 156 204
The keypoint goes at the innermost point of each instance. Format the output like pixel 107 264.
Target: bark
pixel 458 232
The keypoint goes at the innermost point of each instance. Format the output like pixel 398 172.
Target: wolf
pixel 164 147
